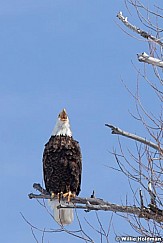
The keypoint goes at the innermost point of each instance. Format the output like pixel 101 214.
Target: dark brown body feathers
pixel 62 165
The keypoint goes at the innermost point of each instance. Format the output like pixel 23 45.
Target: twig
pixel 34 235
pixel 144 57
pixel 138 30
pixel 118 131
pixel 61 229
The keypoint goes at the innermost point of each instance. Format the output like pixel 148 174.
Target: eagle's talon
pixel 69 195
pixel 52 196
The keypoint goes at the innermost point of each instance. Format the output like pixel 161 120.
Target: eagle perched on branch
pixel 62 166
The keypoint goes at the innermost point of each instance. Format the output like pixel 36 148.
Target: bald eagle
pixel 62 167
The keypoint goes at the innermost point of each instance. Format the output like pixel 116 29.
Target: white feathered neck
pixel 62 126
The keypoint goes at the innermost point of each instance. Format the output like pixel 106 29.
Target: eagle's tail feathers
pixel 62 216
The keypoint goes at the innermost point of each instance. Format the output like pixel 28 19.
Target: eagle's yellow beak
pixel 63 115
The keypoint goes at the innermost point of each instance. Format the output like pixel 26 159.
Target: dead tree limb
pixel 118 131
pixel 89 204
pixel 141 199
pixel 143 33
pixel 144 57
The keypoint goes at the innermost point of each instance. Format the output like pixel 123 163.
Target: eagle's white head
pixel 62 126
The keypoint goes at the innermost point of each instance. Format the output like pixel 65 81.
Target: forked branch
pixel 89 204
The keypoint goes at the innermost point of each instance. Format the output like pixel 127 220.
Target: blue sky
pixel 54 55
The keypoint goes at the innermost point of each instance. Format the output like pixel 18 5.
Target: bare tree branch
pixel 96 204
pixel 118 131
pixel 144 57
pixel 138 30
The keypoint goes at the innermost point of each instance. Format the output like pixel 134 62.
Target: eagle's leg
pixel 60 195
pixel 69 195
